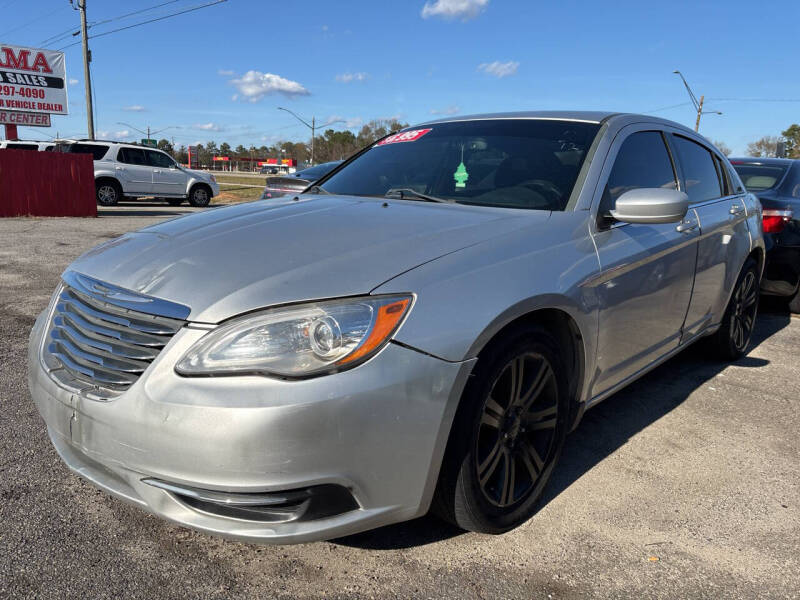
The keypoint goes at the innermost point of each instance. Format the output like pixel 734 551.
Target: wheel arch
pixel 194 184
pixel 564 327
pixel 107 179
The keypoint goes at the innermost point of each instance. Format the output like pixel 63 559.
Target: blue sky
pixel 219 73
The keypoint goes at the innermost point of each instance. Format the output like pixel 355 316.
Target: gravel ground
pixel 687 484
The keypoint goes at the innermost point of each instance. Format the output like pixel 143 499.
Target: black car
pixel 297 182
pixel 776 182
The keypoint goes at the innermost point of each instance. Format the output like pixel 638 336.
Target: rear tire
pixel 733 337
pixel 200 195
pixel 107 193
pixel 794 303
pixel 507 435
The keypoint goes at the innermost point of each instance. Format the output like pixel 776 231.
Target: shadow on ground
pixel 603 429
pixel 149 209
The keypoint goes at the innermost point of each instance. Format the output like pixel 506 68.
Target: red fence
pixel 46 184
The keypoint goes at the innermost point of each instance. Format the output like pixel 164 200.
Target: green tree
pixel 792 137
pixel 163 144
pixel 225 149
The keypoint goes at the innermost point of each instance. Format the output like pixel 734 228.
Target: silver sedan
pixel 420 330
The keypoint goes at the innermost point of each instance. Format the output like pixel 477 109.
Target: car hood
pixel 227 261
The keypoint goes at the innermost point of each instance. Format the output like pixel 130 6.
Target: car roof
pixel 756 160
pixel 584 116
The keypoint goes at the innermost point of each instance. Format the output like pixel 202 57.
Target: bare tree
pixel 766 147
pixel 723 147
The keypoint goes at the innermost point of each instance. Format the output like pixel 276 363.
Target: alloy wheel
pixel 517 430
pixel 744 311
pixel 106 194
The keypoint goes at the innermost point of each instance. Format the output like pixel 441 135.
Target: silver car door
pixel 724 238
pixel 134 172
pixel 646 270
pixel 168 179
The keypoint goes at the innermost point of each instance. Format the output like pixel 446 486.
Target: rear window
pixel 757 178
pixel 699 170
pixel 98 151
pixel 22 147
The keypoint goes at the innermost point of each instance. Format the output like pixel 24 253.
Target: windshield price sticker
pixel 404 136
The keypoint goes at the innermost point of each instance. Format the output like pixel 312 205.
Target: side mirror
pixel 651 205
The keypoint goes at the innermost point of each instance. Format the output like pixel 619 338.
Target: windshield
pixel 757 178
pixel 513 163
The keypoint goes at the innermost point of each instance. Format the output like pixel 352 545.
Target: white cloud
pixel 113 135
pixel 224 72
pixel 207 126
pixel 324 28
pixel 350 77
pixel 450 110
pixel 348 122
pixel 73 81
pixel 454 9
pixel 254 85
pixel 499 69
pixel 134 108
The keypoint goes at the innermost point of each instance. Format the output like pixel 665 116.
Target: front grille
pixel 97 344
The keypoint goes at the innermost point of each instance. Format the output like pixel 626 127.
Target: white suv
pixel 132 171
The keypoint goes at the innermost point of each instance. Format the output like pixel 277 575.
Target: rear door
pixel 134 171
pixel 168 179
pixel 647 270
pixel 724 236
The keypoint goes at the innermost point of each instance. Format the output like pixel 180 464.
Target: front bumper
pixel 378 430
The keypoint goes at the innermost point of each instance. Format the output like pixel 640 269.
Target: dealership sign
pixel 26 119
pixel 32 80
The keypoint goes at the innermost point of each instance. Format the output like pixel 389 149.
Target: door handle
pixel 686 226
pixel 736 210
pixel 119 168
pixel 156 171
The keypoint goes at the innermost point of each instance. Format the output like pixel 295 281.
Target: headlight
pixel 298 341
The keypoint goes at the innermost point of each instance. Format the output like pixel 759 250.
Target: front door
pixel 646 271
pixel 168 179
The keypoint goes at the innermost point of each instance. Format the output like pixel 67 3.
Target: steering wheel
pixel 546 188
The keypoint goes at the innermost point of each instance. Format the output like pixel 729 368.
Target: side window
pixel 643 161
pixel 132 156
pixel 158 159
pixel 699 171
pixel 98 151
pixel 724 176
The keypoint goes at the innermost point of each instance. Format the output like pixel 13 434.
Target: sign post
pixel 32 81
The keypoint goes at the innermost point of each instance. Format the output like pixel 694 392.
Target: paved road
pixel 685 485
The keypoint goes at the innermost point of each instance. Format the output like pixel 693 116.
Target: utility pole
pixel 698 105
pixel 312 127
pixel 699 113
pixel 87 58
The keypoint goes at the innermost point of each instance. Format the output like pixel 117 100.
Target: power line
pixel 149 21
pixel 125 16
pixel 755 99
pixel 26 24
pixel 667 107
pixel 72 31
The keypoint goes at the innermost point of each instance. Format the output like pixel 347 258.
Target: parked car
pixel 776 182
pixel 298 181
pixel 20 144
pixel 422 331
pixel 132 171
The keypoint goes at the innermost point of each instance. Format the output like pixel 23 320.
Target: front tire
pixel 200 195
pixel 107 193
pixel 733 337
pixel 507 435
